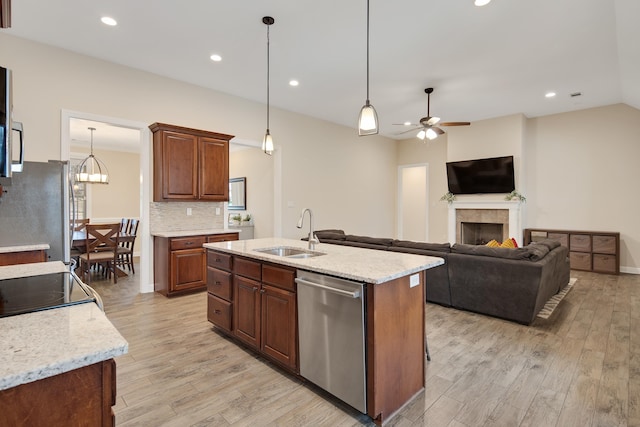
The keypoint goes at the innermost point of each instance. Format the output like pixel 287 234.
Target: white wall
pixel 348 181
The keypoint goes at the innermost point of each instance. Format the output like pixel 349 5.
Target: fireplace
pixel 497 220
pixel 480 233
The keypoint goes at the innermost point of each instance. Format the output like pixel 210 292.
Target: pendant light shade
pixel 368 119
pixel 267 141
pixel 92 170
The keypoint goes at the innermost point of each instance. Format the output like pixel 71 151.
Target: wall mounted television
pixel 481 176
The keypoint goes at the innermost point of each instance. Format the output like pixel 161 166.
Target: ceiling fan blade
pixel 405 124
pixel 437 130
pixel 407 131
pixel 455 124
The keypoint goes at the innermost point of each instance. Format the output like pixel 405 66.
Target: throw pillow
pixel 515 244
pixel 493 244
pixel 508 243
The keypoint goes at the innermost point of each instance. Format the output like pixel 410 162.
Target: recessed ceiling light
pixel 293 83
pixel 216 58
pixel 107 20
pixel 481 2
pixel 550 94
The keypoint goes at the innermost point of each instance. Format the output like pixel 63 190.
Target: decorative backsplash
pixel 172 216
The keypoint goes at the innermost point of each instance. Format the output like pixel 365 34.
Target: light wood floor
pixel 581 367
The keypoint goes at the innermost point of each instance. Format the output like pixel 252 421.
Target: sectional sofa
pixel 512 284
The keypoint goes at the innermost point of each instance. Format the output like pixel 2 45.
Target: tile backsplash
pixel 173 216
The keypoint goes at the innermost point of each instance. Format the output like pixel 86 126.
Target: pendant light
pixel 92 170
pixel 368 119
pixel 267 142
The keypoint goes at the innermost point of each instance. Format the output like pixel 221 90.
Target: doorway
pixel 413 207
pixel 142 133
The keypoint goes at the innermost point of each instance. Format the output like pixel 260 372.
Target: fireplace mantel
pixel 514 208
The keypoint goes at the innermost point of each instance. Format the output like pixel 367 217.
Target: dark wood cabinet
pixel 597 251
pixel 262 302
pixel 24 257
pixel 189 164
pixel 180 263
pixel 81 397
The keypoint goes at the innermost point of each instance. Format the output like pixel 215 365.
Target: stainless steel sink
pixel 289 252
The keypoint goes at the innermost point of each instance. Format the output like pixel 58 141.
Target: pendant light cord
pixel 367 52
pixel 268 77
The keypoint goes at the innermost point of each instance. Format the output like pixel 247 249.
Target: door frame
pixel 399 212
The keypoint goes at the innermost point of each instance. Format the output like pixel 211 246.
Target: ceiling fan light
pixel 421 134
pixel 368 120
pixel 267 143
pixel 431 134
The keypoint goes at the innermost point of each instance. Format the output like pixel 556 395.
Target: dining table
pixel 79 242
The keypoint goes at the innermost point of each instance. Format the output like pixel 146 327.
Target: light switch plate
pixel 414 280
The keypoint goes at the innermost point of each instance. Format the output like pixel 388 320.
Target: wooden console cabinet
pixel 82 397
pixel 256 303
pixel 189 164
pixel 597 251
pixel 180 263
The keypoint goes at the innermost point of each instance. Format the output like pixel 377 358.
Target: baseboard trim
pixel 630 270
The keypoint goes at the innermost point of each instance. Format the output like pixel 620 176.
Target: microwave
pixel 7 128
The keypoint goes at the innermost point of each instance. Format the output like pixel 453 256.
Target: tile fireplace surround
pixel 507 213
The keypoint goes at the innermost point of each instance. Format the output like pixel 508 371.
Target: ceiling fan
pixel 427 125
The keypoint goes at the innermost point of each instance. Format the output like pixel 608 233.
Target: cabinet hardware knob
pixel 218 283
pixel 255 289
pixel 217 259
pixel 262 291
pixel 216 312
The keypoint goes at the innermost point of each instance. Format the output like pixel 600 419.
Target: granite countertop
pixel 364 265
pixel 25 248
pixel 183 233
pixel 46 343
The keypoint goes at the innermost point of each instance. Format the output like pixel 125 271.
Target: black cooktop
pixel 35 293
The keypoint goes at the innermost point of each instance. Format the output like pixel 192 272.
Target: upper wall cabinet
pixel 189 164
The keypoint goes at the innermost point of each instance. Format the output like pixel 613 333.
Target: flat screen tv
pixel 480 176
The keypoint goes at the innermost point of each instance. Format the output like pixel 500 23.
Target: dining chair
pixel 125 250
pixel 77 225
pixel 101 243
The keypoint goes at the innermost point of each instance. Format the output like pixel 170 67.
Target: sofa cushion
pixel 550 243
pixel 537 251
pixel 369 240
pixel 439 247
pixel 482 250
pixel 330 235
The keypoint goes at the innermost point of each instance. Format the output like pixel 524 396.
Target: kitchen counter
pixel 25 248
pixel 38 345
pixel 185 233
pixel 365 265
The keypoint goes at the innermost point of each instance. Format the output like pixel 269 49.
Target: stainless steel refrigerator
pixel 35 208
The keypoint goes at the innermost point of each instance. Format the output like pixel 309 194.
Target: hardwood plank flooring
pixel 580 367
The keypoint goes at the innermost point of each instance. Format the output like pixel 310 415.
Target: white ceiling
pixel 483 62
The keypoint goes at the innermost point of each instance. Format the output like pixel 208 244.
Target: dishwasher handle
pixel 354 294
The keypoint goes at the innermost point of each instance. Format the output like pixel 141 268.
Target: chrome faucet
pixel 312 237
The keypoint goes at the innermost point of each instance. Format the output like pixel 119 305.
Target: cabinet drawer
pixel 219 283
pixel 580 242
pixel 187 242
pixel 563 238
pixel 247 268
pixel 219 312
pixel 279 276
pixel 580 260
pixel 604 244
pixel 605 263
pixel 222 237
pixel 219 260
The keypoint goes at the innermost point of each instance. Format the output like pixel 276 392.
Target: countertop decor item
pixel 515 195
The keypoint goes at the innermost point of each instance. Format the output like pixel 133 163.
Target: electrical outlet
pixel 189 212
pixel 217 211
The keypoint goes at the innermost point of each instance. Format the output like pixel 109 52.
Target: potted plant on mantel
pixel 247 219
pixel 515 195
pixel 236 219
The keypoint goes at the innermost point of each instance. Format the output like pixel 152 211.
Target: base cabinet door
pixel 188 269
pixel 246 313
pixel 279 324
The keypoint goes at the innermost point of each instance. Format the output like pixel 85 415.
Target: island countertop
pixel 38 345
pixel 364 265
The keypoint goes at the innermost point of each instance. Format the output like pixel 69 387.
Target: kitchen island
pixel 56 366
pixel 253 297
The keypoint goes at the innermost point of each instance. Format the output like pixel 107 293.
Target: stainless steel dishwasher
pixel 331 327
